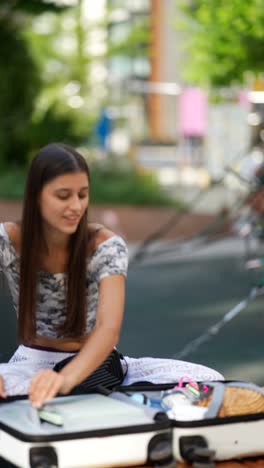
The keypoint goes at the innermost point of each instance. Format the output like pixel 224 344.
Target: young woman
pixel 67 280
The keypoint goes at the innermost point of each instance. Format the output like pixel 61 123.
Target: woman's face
pixel 63 202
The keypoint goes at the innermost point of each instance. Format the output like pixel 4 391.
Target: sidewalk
pixel 134 223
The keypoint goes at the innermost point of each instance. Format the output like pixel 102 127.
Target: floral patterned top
pixel 109 258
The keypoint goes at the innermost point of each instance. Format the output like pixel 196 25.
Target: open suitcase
pixel 90 430
pixel 129 427
pixel 203 441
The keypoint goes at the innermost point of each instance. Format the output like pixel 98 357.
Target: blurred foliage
pixel 19 86
pixel 126 184
pixel 12 183
pixel 45 92
pixel 224 40
pixel 20 79
pixel 49 89
pixel 111 182
pixel 53 127
pixel 29 6
pixel 66 108
pixel 135 42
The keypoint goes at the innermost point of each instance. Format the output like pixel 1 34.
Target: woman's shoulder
pixel 100 235
pixel 13 231
pixel 109 255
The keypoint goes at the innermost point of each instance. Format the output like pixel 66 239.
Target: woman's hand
pixel 45 385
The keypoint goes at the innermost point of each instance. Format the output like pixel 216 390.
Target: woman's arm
pixel 104 336
pixel 100 342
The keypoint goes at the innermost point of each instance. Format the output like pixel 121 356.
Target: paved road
pixel 173 302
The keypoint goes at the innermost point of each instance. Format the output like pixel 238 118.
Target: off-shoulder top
pixel 109 258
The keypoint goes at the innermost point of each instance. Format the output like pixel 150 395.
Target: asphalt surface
pixel 173 300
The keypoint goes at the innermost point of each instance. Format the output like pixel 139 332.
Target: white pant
pixel 24 364
pixel 158 371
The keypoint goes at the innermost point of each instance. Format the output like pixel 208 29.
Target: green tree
pixel 224 40
pixel 19 85
pixel 68 103
pixel 10 7
pixel 20 81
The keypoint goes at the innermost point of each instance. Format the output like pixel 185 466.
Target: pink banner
pixel 193 112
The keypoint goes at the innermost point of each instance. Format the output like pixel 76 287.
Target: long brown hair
pixel 50 162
